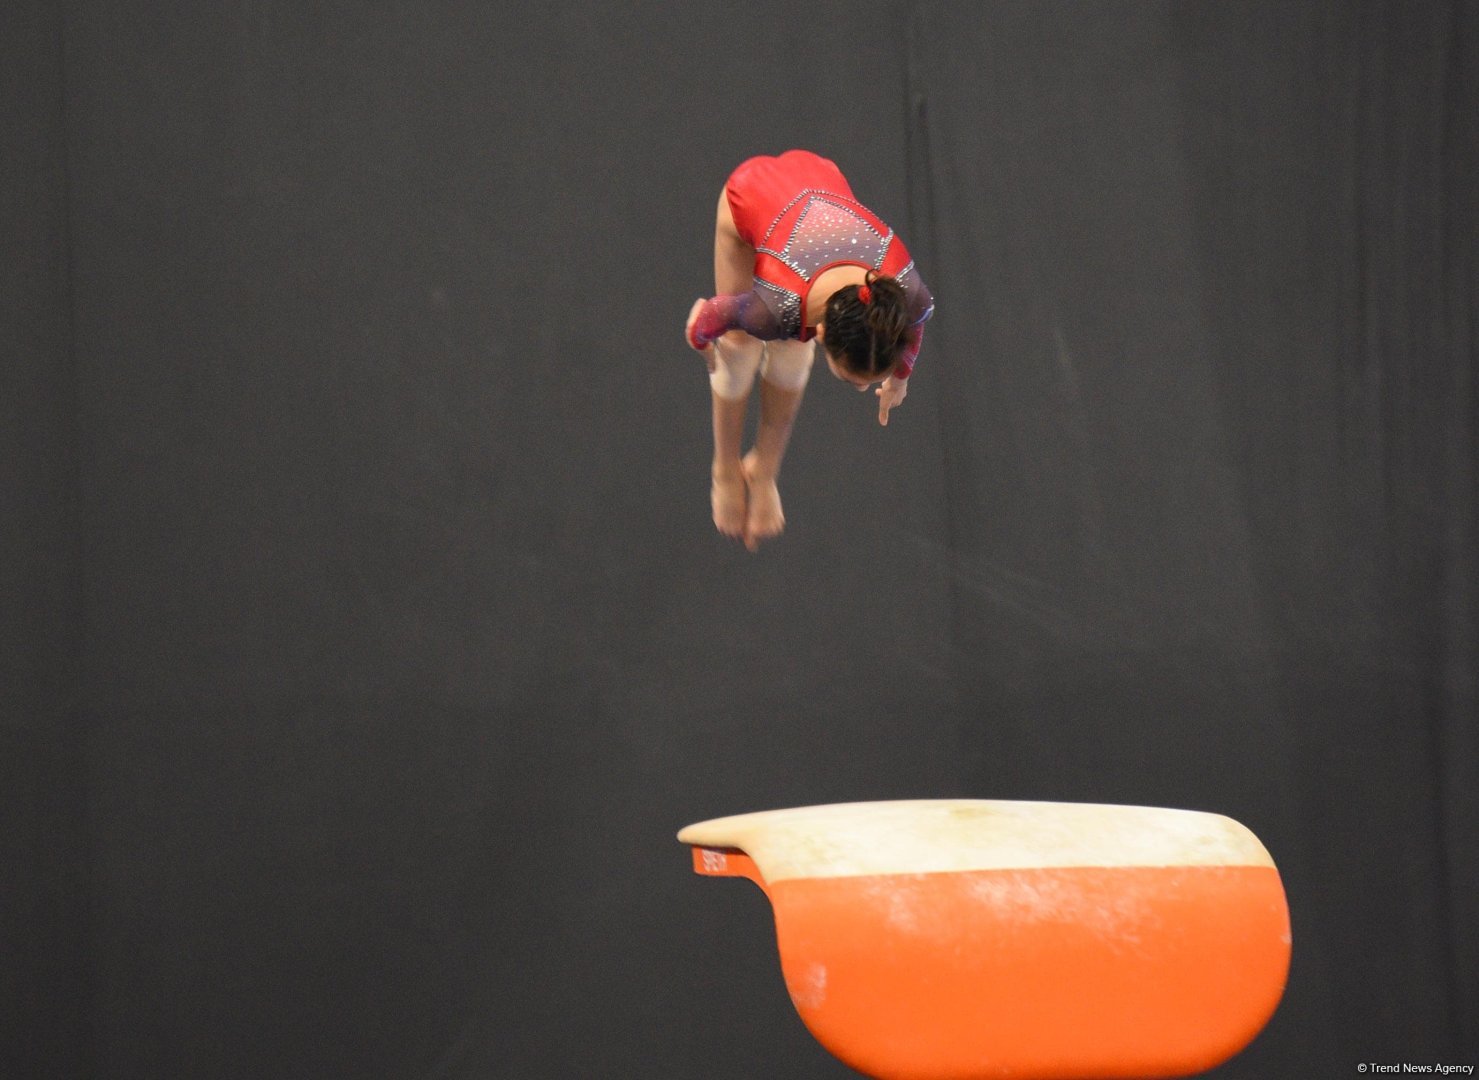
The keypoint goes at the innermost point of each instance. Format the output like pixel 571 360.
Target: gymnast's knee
pixel 737 358
pixel 788 363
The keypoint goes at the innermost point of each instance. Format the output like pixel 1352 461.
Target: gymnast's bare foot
pixel 728 499
pixel 764 519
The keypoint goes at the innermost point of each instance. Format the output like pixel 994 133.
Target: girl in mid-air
pixel 796 257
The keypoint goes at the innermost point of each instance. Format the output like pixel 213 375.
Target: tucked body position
pixel 797 261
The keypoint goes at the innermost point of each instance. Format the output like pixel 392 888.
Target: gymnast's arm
pixel 711 319
pixel 896 386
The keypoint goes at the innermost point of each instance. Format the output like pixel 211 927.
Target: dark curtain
pixel 1212 469
pixel 366 636
pixel 44 977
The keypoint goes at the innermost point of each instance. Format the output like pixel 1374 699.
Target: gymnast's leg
pixel 783 380
pixel 736 359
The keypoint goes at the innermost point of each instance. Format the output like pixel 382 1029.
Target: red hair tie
pixel 865 294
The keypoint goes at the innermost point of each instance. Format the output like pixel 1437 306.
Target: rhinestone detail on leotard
pixel 784 303
pixel 829 231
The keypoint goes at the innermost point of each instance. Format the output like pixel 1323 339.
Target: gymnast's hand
pixel 707 350
pixel 890 394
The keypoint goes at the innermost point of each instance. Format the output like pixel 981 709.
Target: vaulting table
pixel 965 939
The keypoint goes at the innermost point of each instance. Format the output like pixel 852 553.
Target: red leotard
pixel 799 214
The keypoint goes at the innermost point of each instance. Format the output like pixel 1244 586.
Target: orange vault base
pixel 962 939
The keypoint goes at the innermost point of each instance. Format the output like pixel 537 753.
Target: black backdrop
pixel 365 636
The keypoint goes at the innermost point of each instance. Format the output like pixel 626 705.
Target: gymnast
pixel 796 258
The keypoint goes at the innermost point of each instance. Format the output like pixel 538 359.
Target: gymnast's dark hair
pixel 867 339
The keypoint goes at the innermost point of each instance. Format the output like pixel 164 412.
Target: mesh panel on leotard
pixel 830 231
